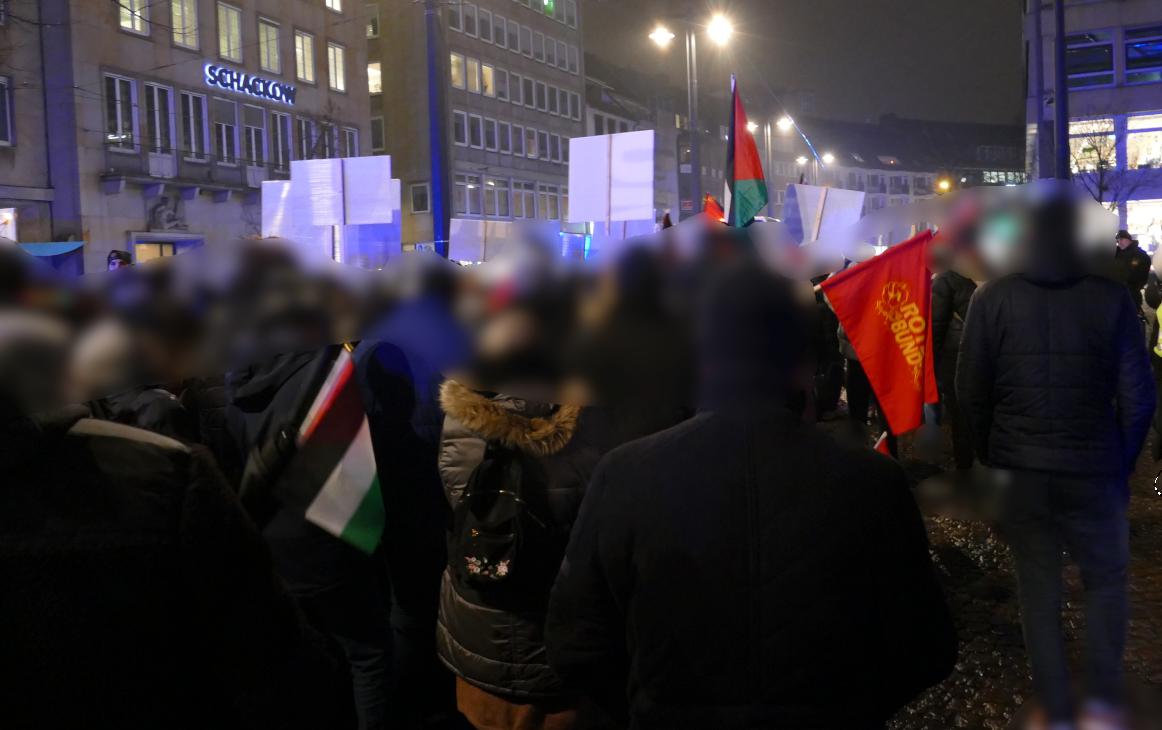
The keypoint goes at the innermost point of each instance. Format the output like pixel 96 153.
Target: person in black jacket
pixel 951 293
pixel 1054 377
pixel 1131 266
pixel 743 569
pixel 136 593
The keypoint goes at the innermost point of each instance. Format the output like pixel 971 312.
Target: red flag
pixel 885 306
pixel 711 207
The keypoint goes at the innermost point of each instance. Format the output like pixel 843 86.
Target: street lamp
pixel 785 124
pixel 944 185
pixel 828 158
pixel 800 161
pixel 720 30
pixel 751 127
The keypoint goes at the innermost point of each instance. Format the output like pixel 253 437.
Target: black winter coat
pixel 951 293
pixel 1131 268
pixel 1054 377
pixel 496 643
pixel 135 593
pixel 749 572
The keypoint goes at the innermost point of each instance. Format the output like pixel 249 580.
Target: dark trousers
pixel 962 446
pixel 859 398
pixel 1043 515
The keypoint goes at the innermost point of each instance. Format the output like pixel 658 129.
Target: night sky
pixel 951 60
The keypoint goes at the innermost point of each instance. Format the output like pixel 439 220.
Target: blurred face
pixel 115 264
pixel 1124 243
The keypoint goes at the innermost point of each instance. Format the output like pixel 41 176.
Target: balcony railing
pixel 190 168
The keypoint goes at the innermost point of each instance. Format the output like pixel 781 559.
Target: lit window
pixel 336 5
pixel 268 53
pixel 1089 59
pixel 458 72
pixel 378 139
pixel 372 21
pixel 421 198
pixel 1092 145
pixel 467 195
pixel 304 57
pixel 229 32
pixel 1144 142
pixel 1144 220
pixel 5 111
pixel 134 15
pixel 474 75
pixel 185 23
pixel 375 77
pixel 497 200
pixel 488 80
pixel 120 107
pixel 336 67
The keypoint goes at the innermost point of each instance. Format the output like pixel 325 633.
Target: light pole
pixel 720 30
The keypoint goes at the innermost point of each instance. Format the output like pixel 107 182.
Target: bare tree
pixel 1093 154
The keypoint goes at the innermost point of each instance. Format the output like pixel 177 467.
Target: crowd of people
pixel 610 495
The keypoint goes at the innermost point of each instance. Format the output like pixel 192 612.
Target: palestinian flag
pixel 746 186
pixel 334 472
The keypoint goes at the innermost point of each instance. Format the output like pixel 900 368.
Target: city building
pixel 149 126
pixel 510 80
pixel 894 161
pixel 1114 77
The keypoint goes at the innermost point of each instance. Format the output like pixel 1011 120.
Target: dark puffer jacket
pixel 746 571
pixel 501 648
pixel 951 294
pixel 1054 376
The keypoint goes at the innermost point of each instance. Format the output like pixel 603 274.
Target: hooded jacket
pixel 501 648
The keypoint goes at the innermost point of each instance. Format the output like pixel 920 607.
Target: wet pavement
pixel 991 684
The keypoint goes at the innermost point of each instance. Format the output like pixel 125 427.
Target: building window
pixel 120 112
pixel 518 140
pixel 466 198
pixel 490 135
pixel 458 72
pixel 542 96
pixel 488 80
pixel 280 137
pixel 549 197
pixel 229 32
pixel 304 57
pixel 372 21
pixel 505 135
pixel 469 19
pixel 226 131
pixel 497 200
pixel 460 128
pixel 562 56
pixel 500 31
pixel 473 75
pixel 555 147
pixel 531 143
pixel 502 84
pixel 375 77
pixel 475 131
pixel 159 113
pixel 455 17
pixel 134 15
pixel 336 5
pixel 574 60
pixel 194 129
pixel 539 46
pixel 421 197
pixel 1144 55
pixel 254 135
pixel 184 14
pixel 5 111
pixel 571 13
pixel 350 139
pixel 551 52
pixel 515 91
pixel 1089 59
pixel 378 139
pixel 526 40
pixel 1144 142
pixel 1092 145
pixel 305 130
pixel 269 56
pixel 524 199
pixel 327 141
pixel 484 25
pixel 1144 220
pixel 514 36
pixel 336 67
pixel 554 98
pixel 543 144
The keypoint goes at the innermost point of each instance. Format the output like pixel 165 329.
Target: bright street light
pixel 828 158
pixel 662 36
pixel 944 185
pixel 751 127
pixel 800 161
pixel 785 124
pixel 720 30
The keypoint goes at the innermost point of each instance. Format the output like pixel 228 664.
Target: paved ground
pixel 991 682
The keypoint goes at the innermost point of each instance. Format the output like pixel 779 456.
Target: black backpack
pixel 497 539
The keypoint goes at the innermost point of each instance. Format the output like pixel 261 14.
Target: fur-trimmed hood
pixel 496 420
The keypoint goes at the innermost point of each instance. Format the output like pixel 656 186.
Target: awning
pixel 57 248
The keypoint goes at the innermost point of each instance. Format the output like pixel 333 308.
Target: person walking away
pixel 1054 378
pixel 743 569
pixel 951 293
